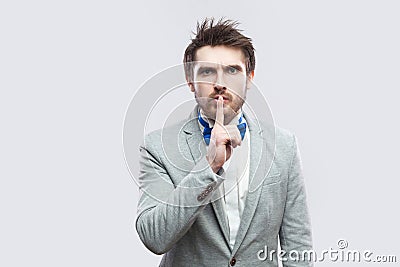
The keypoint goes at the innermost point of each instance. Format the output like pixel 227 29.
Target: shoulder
pixel 282 141
pixel 282 137
pixel 156 139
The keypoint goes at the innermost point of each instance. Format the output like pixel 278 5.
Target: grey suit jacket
pixel 180 213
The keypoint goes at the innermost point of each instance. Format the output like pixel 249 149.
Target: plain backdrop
pixel 68 70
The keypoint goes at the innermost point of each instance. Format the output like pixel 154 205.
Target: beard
pixel 232 105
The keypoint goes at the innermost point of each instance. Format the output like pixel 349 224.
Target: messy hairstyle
pixel 212 33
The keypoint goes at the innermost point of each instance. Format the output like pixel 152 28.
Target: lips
pixel 223 96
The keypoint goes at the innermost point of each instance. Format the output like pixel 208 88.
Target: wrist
pixel 215 168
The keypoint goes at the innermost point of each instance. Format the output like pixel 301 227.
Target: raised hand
pixel 223 139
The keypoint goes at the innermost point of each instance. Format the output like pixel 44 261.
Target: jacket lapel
pixel 261 156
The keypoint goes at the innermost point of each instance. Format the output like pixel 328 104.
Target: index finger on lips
pixel 219 116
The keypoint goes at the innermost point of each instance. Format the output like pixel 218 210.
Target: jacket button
pixel 200 198
pixel 233 261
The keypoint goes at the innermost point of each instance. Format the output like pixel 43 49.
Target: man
pixel 232 185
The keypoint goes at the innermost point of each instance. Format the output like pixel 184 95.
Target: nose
pixel 219 84
pixel 219 88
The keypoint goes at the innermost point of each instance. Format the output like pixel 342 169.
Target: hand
pixel 223 139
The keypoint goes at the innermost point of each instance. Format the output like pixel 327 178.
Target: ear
pixel 191 87
pixel 190 84
pixel 249 79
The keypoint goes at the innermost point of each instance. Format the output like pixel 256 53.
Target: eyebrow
pixel 204 68
pixel 238 67
pixel 235 66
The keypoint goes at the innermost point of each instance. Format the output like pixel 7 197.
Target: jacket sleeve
pixel 166 211
pixel 295 232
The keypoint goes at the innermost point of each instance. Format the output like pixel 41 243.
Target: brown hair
pixel 223 32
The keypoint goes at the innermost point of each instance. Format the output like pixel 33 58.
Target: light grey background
pixel 330 71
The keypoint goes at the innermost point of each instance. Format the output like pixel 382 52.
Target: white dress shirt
pixel 235 187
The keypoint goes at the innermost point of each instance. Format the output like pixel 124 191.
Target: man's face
pixel 220 71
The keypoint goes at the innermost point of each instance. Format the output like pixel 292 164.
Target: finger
pixel 228 152
pixel 219 116
pixel 234 139
pixel 234 135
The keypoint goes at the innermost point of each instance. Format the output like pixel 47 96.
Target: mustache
pixel 225 96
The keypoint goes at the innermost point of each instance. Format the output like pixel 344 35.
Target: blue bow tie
pixel 207 130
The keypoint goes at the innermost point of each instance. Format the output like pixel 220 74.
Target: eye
pixel 207 71
pixel 232 70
